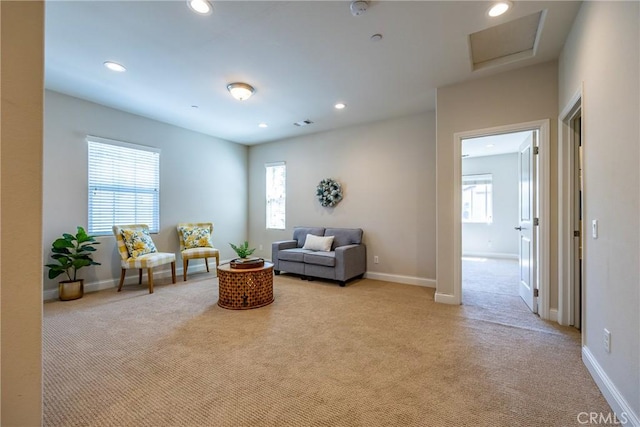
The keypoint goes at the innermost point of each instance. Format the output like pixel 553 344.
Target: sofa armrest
pixel 278 246
pixel 351 261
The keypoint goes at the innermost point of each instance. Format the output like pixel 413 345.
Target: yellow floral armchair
pixel 137 250
pixel 195 243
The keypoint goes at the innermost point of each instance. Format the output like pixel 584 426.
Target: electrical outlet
pixel 375 259
pixel 607 341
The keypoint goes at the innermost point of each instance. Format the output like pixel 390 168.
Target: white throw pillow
pixel 318 243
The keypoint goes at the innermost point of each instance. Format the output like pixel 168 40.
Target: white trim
pixel 612 395
pixel 497 255
pixel 271 164
pixel 132 279
pixel 446 299
pixel 543 207
pixel 553 315
pixel 397 278
pixel 565 210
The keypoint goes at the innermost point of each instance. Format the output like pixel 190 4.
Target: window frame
pixel 144 184
pixel 486 180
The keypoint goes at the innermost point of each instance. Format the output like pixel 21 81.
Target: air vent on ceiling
pixel 303 123
pixel 511 41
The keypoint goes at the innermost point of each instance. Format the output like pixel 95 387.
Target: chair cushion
pixel 138 242
pixel 295 254
pixel 318 243
pixel 199 253
pixel 149 260
pixel 196 237
pixel 321 258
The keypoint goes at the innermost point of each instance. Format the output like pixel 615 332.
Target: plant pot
pixel 70 289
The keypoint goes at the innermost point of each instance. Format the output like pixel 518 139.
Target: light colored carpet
pixel 370 354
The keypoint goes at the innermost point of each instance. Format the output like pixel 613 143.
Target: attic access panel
pixel 511 41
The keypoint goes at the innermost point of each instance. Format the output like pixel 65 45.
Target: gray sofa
pixel 346 259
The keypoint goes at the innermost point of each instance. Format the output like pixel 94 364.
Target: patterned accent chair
pixel 144 253
pixel 195 243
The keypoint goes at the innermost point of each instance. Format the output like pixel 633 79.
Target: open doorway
pixel 497 218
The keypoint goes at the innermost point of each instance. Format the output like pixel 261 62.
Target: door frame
pixel 566 159
pixel 542 126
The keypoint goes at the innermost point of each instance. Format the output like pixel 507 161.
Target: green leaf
pixel 55 273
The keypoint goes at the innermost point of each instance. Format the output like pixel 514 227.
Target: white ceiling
pixel 301 56
pixel 493 145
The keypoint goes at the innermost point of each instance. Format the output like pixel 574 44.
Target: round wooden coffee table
pixel 245 288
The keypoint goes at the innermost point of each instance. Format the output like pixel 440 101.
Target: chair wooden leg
pixel 206 262
pixel 140 277
pixel 185 265
pixel 173 272
pixel 150 278
pixel 217 260
pixel 121 280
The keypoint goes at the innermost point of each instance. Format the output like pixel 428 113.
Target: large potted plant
pixel 71 254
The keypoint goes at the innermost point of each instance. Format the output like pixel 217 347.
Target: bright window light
pixel 276 195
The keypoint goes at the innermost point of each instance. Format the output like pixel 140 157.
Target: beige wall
pixel 602 54
pixel 201 179
pixel 387 170
pixel 519 96
pixel 22 74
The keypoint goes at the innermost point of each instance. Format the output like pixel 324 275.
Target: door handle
pixel 518 228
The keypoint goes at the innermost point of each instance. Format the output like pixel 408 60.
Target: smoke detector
pixel 358 7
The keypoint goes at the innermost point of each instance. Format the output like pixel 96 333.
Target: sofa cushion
pixel 300 233
pixel 318 243
pixel 295 254
pixel 320 258
pixel 344 236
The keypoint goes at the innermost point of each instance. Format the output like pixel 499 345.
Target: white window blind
pixel 477 198
pixel 124 185
pixel 276 194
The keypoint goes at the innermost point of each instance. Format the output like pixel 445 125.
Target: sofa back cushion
pixel 344 236
pixel 300 233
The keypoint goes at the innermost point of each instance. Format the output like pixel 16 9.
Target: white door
pixel 526 223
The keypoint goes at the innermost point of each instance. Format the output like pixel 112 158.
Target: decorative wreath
pixel 329 192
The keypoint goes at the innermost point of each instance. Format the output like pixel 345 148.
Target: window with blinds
pixel 477 198
pixel 124 185
pixel 276 195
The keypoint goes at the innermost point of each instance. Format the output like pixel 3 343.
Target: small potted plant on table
pixel 71 254
pixel 244 261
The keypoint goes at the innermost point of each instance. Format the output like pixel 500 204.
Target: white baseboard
pixel 490 255
pixel 396 278
pixel 446 299
pixel 618 403
pixel 553 314
pixel 131 279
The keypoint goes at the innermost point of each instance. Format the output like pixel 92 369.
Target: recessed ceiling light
pixel 195 107
pixel 114 66
pixel 262 125
pixel 340 106
pixel 203 7
pixel 499 8
pixel 376 37
pixel 490 145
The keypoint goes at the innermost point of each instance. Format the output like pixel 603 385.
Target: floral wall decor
pixel 329 192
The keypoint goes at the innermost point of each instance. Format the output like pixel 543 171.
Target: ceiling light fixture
pixel 114 66
pixel 240 91
pixel 340 106
pixel 203 7
pixel 358 7
pixel 262 125
pixel 499 8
